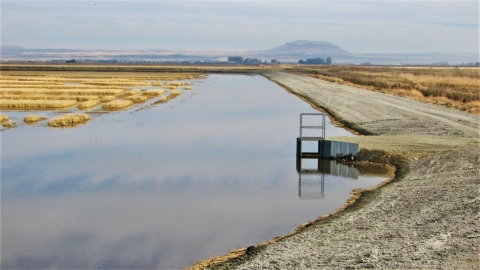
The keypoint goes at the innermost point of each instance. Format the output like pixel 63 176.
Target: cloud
pixel 241 25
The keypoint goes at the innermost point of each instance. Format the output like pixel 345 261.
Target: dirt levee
pixel 378 113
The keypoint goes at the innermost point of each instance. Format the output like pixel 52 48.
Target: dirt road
pixel 427 217
pixel 378 113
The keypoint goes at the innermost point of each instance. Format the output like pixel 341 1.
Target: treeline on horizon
pixel 316 61
pixel 240 59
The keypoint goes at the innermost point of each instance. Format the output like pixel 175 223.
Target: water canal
pixel 164 187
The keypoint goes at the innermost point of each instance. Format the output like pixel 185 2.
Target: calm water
pixel 210 171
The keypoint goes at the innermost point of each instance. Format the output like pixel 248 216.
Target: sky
pixel 355 26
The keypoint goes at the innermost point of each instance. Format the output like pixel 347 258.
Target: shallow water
pixel 210 171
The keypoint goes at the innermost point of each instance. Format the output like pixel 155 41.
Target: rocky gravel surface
pixel 428 219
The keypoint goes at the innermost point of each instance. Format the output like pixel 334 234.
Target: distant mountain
pixel 303 49
pixel 307 48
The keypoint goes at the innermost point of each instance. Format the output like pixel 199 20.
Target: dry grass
pixel 3 117
pixel 68 120
pixel 132 92
pixel 33 118
pixel 117 105
pixel 53 87
pixel 48 90
pixel 35 104
pixel 176 84
pixel 187 88
pixel 116 83
pixel 88 104
pixel 8 124
pixel 107 99
pixel 153 92
pixel 165 99
pixel 137 99
pixel 450 87
pixel 47 97
pixel 84 92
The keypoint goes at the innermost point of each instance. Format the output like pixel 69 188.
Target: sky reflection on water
pixel 210 171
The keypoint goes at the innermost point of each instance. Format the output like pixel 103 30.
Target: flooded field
pixel 164 185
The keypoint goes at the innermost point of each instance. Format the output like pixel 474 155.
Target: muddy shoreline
pixel 425 217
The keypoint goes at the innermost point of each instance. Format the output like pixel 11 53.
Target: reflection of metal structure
pixel 311 181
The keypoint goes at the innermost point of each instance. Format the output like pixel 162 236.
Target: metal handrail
pixel 322 127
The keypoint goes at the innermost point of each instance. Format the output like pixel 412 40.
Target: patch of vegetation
pixel 457 88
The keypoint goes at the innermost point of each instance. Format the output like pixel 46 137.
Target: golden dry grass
pixel 132 92
pixel 137 99
pixel 165 99
pixel 88 104
pixel 68 120
pixel 49 97
pixel 115 83
pixel 83 92
pixel 33 118
pixel 107 98
pixel 3 117
pixel 187 88
pixel 117 104
pixel 153 92
pixel 450 87
pixel 35 104
pixel 8 124
pixel 48 90
pixel 55 87
pixel 176 84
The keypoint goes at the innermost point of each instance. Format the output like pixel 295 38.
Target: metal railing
pixel 321 127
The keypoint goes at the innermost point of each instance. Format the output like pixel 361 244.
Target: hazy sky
pixel 356 26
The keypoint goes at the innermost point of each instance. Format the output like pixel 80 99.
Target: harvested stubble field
pixel 35 104
pixel 33 89
pixel 107 98
pixel 49 97
pixel 33 118
pixel 69 120
pixel 173 94
pixel 137 99
pixel 88 104
pixel 153 93
pixel 3 117
pixel 117 105
pixel 64 91
pixel 132 92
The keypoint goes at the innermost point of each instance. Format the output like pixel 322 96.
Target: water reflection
pixel 311 180
pixel 162 187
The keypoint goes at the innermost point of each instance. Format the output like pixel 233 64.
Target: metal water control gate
pixel 326 148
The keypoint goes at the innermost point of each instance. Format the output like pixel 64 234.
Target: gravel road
pixel 378 113
pixel 427 217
